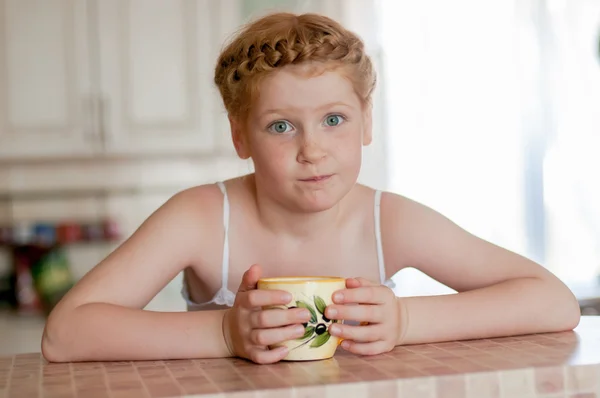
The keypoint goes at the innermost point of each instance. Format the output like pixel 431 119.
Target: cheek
pixel 272 158
pixel 348 146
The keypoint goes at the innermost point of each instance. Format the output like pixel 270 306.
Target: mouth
pixel 316 178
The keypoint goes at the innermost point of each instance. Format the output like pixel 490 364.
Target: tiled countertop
pixel 545 365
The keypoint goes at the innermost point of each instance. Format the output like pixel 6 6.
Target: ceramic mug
pixel 313 293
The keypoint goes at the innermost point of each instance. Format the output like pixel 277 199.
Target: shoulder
pixel 396 207
pixel 198 201
pixel 406 227
pixel 197 198
pixel 202 205
pixel 196 211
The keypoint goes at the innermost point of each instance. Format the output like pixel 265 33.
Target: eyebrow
pixel 282 110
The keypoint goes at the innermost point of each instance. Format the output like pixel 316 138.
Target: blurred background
pixel 487 111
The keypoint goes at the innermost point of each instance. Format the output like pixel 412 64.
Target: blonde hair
pixel 281 39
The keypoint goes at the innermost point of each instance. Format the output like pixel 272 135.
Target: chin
pixel 314 202
pixel 315 206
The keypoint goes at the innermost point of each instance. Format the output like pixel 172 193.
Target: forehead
pixel 304 87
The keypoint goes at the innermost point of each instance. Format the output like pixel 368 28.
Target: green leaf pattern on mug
pixel 320 340
pixel 307 333
pixel 320 304
pixel 313 314
pixel 316 333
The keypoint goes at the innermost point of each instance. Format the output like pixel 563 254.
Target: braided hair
pixel 281 39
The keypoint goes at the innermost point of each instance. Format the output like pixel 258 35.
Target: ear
pixel 238 137
pixel 367 125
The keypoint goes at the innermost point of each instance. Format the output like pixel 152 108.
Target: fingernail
pixel 338 297
pixel 299 330
pixel 332 312
pixel 286 297
pixel 334 329
pixel 303 315
pixel 345 344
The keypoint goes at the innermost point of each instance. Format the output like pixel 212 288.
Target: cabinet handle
pixel 90 112
pixel 103 109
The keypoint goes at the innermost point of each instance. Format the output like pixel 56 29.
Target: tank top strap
pixel 225 264
pixel 377 215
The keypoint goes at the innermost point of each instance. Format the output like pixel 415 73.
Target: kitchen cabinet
pixel 80 78
pixel 155 79
pixel 46 91
pixel 94 78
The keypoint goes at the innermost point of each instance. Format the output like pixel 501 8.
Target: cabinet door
pixel 155 76
pixel 45 105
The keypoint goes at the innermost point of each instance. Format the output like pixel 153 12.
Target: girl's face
pixel 305 135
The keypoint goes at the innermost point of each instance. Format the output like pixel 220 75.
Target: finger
pixel 250 278
pixel 265 356
pixel 362 334
pixel 278 317
pixel 373 348
pixel 265 298
pixel 361 313
pixel 366 282
pixel 363 295
pixel 266 337
pixel 353 283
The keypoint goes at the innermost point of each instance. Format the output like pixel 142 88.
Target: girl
pixel 297 89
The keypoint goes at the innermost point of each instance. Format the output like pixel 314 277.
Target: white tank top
pixel 225 297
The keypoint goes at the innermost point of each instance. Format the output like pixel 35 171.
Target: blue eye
pixel 334 120
pixel 280 127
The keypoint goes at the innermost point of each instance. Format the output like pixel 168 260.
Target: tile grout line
pixel 499 372
pixel 513 349
pixel 419 370
pixel 12 367
pixel 499 356
pixel 276 375
pixel 72 378
pixel 106 383
pixel 210 380
pixel 485 368
pixel 40 376
pixel 256 389
pixel 396 378
pixel 140 378
pixel 181 390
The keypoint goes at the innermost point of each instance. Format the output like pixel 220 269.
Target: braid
pixel 284 39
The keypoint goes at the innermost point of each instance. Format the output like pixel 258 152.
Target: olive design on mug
pixel 315 332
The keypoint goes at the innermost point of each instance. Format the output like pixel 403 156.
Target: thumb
pixel 250 278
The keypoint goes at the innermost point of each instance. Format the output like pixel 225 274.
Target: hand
pixel 377 311
pixel 249 330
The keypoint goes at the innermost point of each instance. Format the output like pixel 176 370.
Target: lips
pixel 316 178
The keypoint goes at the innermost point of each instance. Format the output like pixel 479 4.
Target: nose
pixel 311 149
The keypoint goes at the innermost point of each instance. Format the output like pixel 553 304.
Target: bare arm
pixel 499 292
pixel 102 316
pixel 108 332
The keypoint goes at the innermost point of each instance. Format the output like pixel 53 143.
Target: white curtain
pixel 493 119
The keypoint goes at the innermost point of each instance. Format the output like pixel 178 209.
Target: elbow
pixel 54 344
pixel 53 350
pixel 569 314
pixel 49 350
pixel 572 315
